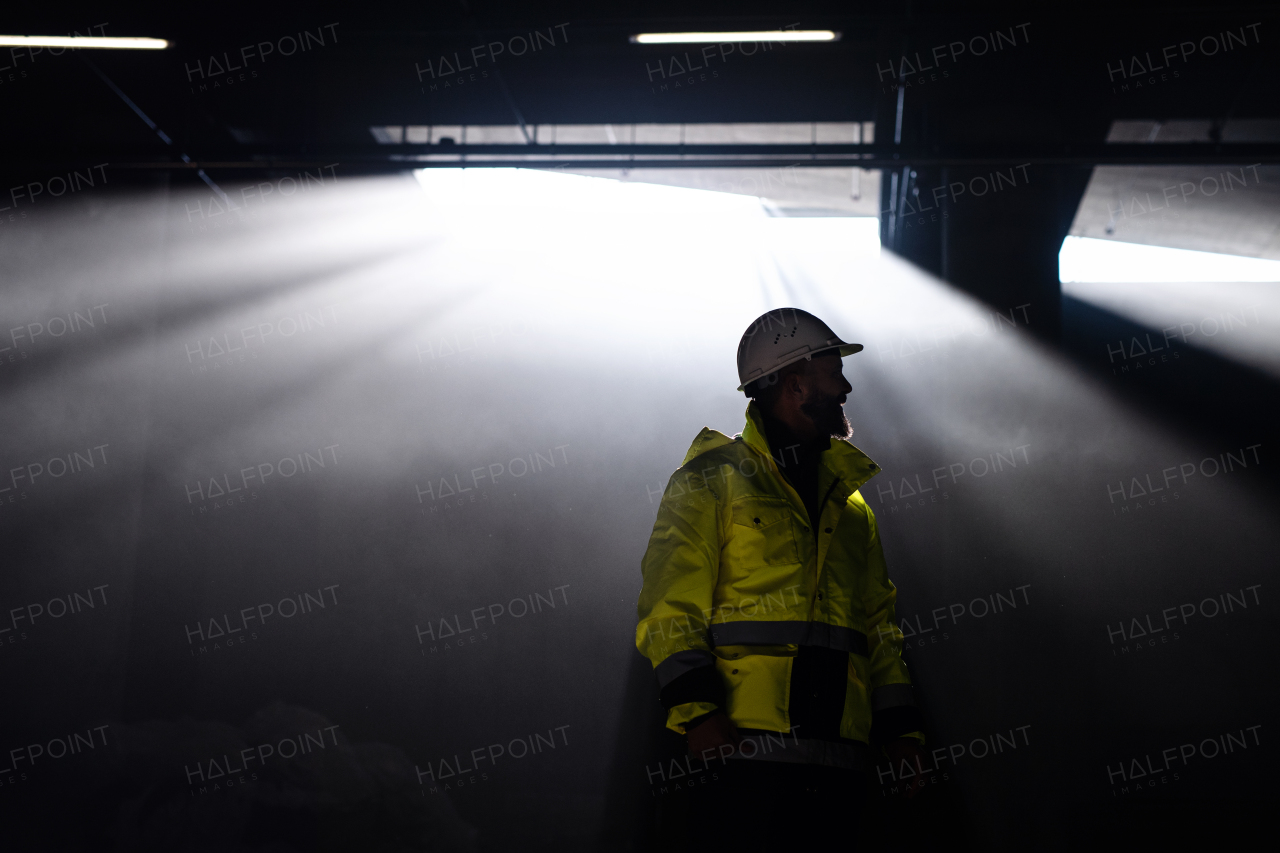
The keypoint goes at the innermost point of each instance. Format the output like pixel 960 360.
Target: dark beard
pixel 827 414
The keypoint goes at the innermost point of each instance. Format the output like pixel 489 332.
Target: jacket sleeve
pixel 680 568
pixel 893 708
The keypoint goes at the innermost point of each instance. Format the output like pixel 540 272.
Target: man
pixel 766 609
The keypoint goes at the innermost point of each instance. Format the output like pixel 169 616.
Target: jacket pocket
pixel 762 534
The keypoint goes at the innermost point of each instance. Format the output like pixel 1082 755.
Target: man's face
pixel 828 390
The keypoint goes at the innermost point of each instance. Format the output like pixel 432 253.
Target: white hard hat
pixel 781 337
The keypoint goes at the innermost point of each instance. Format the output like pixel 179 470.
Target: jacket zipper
pixel 817 579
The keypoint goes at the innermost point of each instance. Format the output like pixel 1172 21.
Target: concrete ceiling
pixel 1230 209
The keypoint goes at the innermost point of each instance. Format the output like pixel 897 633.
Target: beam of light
pixel 1088 259
pixel 503 190
pixel 646 246
pixel 1236 320
pixel 465 319
pixel 718 38
pixel 99 42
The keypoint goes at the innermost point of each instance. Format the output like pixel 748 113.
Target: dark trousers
pixel 774 806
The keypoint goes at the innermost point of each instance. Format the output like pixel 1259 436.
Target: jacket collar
pixel 850 465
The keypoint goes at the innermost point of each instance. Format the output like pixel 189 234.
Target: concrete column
pixel 992 231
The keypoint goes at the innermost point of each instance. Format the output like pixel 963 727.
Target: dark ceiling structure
pixel 955 93
pixel 957 85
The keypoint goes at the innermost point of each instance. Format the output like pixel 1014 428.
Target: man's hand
pixel 712 733
pixel 907 749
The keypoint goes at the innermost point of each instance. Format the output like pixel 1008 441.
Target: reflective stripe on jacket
pixel 735 581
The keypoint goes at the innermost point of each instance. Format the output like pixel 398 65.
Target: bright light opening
pixel 581 242
pixel 1086 259
pixel 719 38
pixel 84 42
pixel 501 192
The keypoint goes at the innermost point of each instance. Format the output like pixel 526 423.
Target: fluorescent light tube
pixel 715 38
pixel 83 42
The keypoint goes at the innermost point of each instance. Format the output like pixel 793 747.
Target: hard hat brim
pixel 844 350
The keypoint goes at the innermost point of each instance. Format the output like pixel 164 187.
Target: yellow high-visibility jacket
pixel 735 581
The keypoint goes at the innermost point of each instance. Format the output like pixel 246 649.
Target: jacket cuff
pixel 700 719
pixel 898 721
pixel 682 717
pixel 700 684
